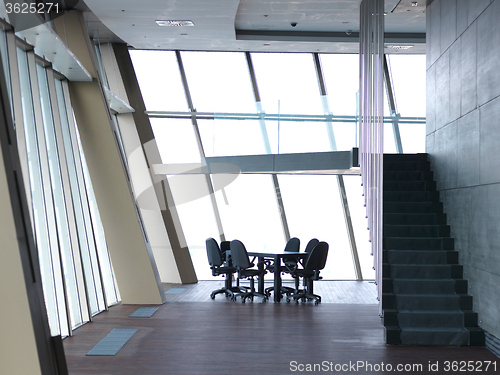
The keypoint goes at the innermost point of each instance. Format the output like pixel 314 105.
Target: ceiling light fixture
pixel 398 46
pixel 414 4
pixel 174 23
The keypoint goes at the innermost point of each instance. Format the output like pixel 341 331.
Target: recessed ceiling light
pixel 174 23
pixel 414 4
pixel 398 46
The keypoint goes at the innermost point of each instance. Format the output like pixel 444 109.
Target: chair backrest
pixel 317 257
pixel 239 255
pixel 213 253
pixel 310 245
pixel 293 245
pixel 224 246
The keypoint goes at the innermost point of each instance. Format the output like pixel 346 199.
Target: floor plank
pixel 223 337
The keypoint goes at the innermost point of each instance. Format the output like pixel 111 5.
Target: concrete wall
pixel 463 138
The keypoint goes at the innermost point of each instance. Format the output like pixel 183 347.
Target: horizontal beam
pixel 276 117
pixel 331 163
pixel 321 36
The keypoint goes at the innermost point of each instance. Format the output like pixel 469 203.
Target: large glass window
pixel 313 209
pixel 176 139
pixel 159 80
pixel 287 83
pixel 77 276
pixel 222 137
pixel 43 215
pixel 282 111
pixel 219 81
pixel 341 73
pixel 249 213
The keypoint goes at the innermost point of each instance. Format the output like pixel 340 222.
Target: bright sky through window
pixel 287 84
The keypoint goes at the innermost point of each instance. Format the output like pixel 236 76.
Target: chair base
pixel 229 292
pixel 285 291
pixel 250 294
pixel 304 296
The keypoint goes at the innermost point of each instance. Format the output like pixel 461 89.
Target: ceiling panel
pixel 252 25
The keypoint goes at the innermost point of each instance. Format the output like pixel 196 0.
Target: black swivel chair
pixel 292 246
pixel 216 259
pixel 310 245
pixel 314 263
pixel 241 261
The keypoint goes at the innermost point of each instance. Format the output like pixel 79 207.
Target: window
pixel 292 116
pixel 77 276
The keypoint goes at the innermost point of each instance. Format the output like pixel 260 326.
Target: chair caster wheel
pixel 316 302
pixel 212 296
pixel 288 300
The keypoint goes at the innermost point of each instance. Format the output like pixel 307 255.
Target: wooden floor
pixel 197 335
pixel 354 292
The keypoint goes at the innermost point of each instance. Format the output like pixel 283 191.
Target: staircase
pixel 425 300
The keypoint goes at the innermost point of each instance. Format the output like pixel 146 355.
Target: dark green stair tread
pixel 413 207
pixel 414 219
pixel 436 336
pixel 426 287
pixel 421 271
pixel 408 176
pixel 423 286
pixel 409 185
pixel 418 243
pixel 395 230
pixel 411 196
pixel 427 302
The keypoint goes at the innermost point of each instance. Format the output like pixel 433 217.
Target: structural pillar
pixel 131 254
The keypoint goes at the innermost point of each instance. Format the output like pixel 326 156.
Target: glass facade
pixel 77 276
pixel 242 103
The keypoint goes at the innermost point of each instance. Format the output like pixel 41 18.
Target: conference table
pixel 277 258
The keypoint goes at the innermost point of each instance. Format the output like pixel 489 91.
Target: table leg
pixel 277 279
pixel 260 281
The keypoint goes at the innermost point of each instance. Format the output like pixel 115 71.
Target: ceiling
pixel 251 25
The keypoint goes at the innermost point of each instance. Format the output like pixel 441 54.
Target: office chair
pixel 292 246
pixel 314 263
pixel 216 259
pixel 241 261
pixel 310 245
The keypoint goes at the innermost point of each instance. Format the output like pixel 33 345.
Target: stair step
pixel 436 336
pixel 406 166
pixel 428 286
pixel 408 176
pixel 411 196
pixel 405 157
pixel 418 243
pixel 415 219
pixel 424 302
pixel 413 207
pixel 409 185
pixel 431 319
pixel 424 298
pixel 416 231
pixel 425 271
pixel 421 257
